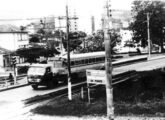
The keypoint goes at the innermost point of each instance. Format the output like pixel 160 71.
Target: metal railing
pixel 6 83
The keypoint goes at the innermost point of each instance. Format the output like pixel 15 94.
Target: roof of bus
pixel 85 55
pixel 40 65
pixel 23 64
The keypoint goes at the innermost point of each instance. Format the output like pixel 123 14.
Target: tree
pixel 157 22
pixel 115 39
pixel 35 50
pixel 39 45
pixel 34 39
pixel 95 42
pixel 76 39
pixel 42 43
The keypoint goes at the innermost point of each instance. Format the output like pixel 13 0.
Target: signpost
pixel 97 77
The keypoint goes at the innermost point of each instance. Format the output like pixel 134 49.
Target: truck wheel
pixel 55 82
pixel 34 87
pixel 50 85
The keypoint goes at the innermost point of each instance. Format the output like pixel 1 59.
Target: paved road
pixel 143 66
pixel 11 101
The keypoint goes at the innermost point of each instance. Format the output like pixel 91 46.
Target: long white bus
pixel 78 62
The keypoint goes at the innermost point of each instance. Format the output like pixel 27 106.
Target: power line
pixel 19 19
pixel 57 17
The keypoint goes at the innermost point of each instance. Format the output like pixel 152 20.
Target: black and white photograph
pixel 82 60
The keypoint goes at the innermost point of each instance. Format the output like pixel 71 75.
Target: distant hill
pixel 4 51
pixel 9 28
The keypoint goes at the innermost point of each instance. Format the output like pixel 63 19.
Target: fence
pixel 6 83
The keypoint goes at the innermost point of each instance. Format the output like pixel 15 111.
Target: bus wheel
pixel 34 87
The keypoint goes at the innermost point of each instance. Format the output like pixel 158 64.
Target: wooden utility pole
pixel 149 41
pixel 15 75
pixel 108 63
pixel 68 55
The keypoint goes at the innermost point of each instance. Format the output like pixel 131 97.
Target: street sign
pixel 96 76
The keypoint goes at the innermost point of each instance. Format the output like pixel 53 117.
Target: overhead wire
pixel 39 18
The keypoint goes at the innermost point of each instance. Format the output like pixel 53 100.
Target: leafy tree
pixel 115 39
pixel 22 28
pixel 157 22
pixel 39 45
pixel 95 42
pixel 34 39
pixel 76 39
pixel 35 50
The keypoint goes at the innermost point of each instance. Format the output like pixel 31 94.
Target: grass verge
pixel 140 98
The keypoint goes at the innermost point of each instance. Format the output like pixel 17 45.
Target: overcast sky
pixel 41 8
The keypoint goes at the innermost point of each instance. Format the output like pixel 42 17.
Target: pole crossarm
pixel 73 18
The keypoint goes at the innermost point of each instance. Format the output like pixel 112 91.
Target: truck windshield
pixel 58 64
pixel 36 71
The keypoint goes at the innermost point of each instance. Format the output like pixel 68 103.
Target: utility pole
pixel 68 52
pixel 14 62
pixel 108 63
pixel 149 41
pixel 68 55
pixel 60 35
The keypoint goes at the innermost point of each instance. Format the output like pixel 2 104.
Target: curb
pixel 155 58
pixel 9 88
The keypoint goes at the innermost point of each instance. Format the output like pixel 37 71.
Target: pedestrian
pixel 138 51
pixel 11 78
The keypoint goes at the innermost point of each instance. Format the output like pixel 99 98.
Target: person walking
pixel 11 79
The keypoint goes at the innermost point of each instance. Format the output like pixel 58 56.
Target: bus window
pixel 64 64
pixel 103 58
pixel 86 61
pixel 93 60
pixel 72 63
pixel 82 61
pixel 90 60
pixel 48 70
pixel 100 59
pixel 97 59
pixel 77 62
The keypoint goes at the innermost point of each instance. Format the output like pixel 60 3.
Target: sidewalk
pixel 21 81
pixel 157 56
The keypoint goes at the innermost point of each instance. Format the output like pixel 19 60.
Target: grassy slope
pixel 146 99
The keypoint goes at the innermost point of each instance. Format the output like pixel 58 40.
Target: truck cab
pixel 40 74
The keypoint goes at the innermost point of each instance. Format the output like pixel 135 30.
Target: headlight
pixel 38 80
pixel 29 79
pixel 34 80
